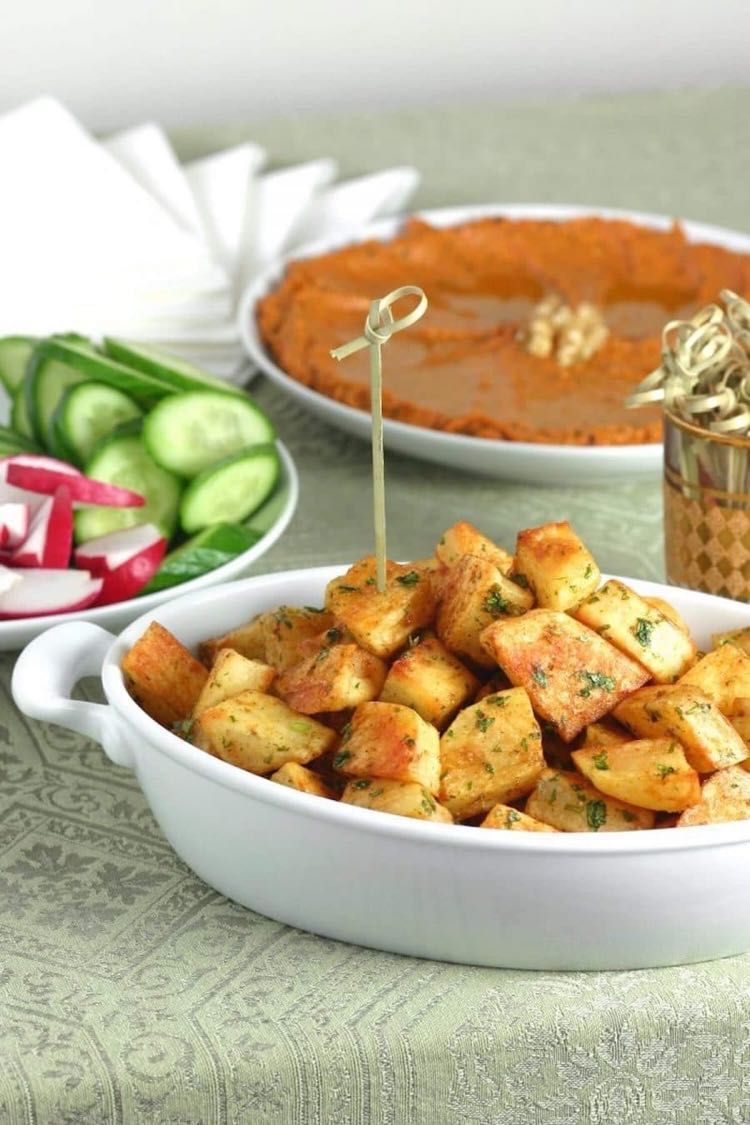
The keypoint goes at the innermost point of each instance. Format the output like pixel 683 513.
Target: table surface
pixel 131 992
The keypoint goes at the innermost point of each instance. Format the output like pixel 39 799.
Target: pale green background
pixel 130 992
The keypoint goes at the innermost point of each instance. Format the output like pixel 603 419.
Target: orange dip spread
pixel 464 368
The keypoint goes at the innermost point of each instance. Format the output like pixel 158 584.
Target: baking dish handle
pixel 47 671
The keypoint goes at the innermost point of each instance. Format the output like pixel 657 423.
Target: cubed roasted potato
pixel 491 753
pixel 382 622
pixel 162 676
pixel 231 674
pixel 260 733
pixel 339 676
pixel 464 539
pixel 572 675
pixel 738 637
pixel 724 675
pixel 508 819
pixel 571 804
pixel 605 733
pixel 725 796
pixel 248 640
pixel 651 773
pixel 558 567
pixel 287 629
pixel 639 630
pixel 475 594
pixel 402 798
pixel 386 740
pixel 685 713
pixel 740 720
pixel 668 611
pixel 431 680
pixel 303 779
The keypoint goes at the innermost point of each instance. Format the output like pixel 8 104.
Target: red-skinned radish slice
pixel 37 461
pixel 14 523
pixel 83 490
pixel 11 495
pixel 125 560
pixel 8 579
pixel 50 537
pixel 43 591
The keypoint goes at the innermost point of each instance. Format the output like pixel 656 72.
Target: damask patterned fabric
pixel 130 992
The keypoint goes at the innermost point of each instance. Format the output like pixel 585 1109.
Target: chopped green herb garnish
pixel 409 579
pixel 488 767
pixel 313 609
pixel 346 731
pixel 521 580
pixel 484 721
pixel 183 727
pixel 596 680
pixel 494 603
pixel 588 571
pixel 362 784
pixel 643 631
pixel 496 700
pixel 371 581
pixel 628 816
pixel 596 815
pixel 342 757
pixel 300 726
pixel 600 760
pixel 512 817
pixel 664 771
pixel 539 676
pixel 347 589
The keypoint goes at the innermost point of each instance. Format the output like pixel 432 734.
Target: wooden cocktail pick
pixel 379 327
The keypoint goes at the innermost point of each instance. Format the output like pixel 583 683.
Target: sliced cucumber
pixel 19 416
pixel 122 459
pixel 204 552
pixel 88 412
pixel 268 513
pixel 231 490
pixel 190 432
pixel 47 381
pixel 170 368
pixel 14 355
pixel 12 442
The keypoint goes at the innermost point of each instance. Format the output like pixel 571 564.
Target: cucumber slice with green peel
pixel 232 490
pixel 182 375
pixel 12 442
pixel 206 551
pixel 122 459
pixel 44 386
pixel 268 513
pixel 19 416
pixel 188 433
pixel 15 352
pixel 88 412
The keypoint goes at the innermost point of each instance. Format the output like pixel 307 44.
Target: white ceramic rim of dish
pixel 617 456
pixel 102 615
pixel 375 823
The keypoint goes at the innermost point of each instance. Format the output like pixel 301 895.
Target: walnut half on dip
pixel 537 330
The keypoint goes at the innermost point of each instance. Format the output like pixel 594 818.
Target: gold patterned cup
pixel 706 509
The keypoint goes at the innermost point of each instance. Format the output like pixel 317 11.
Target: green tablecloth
pixel 130 992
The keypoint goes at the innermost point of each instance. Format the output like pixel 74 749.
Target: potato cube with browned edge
pixel 651 773
pixel 337 677
pixel 162 676
pixel 231 674
pixel 301 778
pixel 685 713
pixel 570 803
pixel 382 622
pixel 248 640
pixel 403 798
pixel 386 740
pixel 260 733
pixel 738 637
pixel 724 675
pixel 508 819
pixel 464 539
pixel 639 630
pixel 558 567
pixel 491 753
pixel 572 675
pixel 431 680
pixel 725 797
pixel 286 631
pixel 475 594
pixel 668 611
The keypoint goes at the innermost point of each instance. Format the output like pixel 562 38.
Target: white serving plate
pixel 529 462
pixel 625 900
pixel 17 633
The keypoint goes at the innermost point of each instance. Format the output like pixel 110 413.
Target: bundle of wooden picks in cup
pixel 703 382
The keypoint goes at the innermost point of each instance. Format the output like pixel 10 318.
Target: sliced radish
pixel 44 591
pixel 11 495
pixel 14 523
pixel 37 478
pixel 125 560
pixel 8 579
pixel 50 536
pixel 37 461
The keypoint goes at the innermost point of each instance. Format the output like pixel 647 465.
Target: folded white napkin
pixel 119 238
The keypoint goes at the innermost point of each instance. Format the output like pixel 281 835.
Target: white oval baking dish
pixel 529 901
